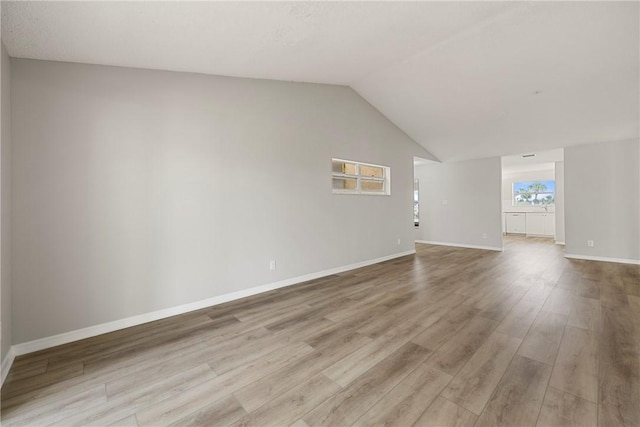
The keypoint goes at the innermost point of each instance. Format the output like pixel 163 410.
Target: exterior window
pixel 416 203
pixel 351 177
pixel 534 193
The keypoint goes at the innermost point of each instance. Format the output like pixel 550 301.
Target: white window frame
pixel 416 203
pixel 514 195
pixel 386 179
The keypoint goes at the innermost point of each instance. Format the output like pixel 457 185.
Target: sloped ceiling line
pixel 463 79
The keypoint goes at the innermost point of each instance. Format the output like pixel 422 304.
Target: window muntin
pixel 351 177
pixel 534 193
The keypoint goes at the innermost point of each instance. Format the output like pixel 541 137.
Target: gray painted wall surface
pixel 138 190
pixel 5 204
pixel 560 210
pixel 471 191
pixel 602 194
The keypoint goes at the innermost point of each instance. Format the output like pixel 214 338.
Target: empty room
pixel 320 213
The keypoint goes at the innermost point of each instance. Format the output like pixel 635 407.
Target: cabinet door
pixel 515 223
pixel 535 224
pixel 550 224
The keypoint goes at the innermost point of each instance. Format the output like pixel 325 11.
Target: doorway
pixel 533 196
pixel 420 208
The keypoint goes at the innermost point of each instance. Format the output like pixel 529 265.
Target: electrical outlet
pixel 445 202
pixel 272 264
pixel 590 243
pixel 484 235
pixel 398 241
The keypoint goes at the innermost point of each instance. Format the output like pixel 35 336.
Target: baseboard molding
pixel 459 245
pixel 91 331
pixel 604 259
pixel 559 243
pixel 6 364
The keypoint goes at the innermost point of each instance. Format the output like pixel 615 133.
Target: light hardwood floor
pixel 448 337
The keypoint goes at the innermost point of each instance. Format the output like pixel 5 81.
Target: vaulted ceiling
pixel 463 79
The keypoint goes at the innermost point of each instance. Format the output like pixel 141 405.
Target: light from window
pixel 360 178
pixel 416 203
pixel 534 193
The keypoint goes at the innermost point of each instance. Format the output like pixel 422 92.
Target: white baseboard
pixel 91 331
pixel 460 245
pixel 6 364
pixel 604 259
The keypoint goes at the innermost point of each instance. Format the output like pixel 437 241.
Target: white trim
pixel 461 245
pixel 604 259
pixel 559 243
pixel 6 364
pixel 91 331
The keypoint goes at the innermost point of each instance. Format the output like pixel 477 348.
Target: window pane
pixel 375 171
pixel 338 166
pixel 372 186
pixel 537 193
pixel 357 178
pixel 344 183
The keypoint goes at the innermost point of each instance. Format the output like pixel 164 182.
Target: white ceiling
pixel 459 77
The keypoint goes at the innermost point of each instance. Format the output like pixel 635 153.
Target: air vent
pixel 528 155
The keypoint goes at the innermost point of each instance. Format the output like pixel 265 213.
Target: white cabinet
pixel 515 223
pixel 541 224
pixel 535 224
pixel 550 224
pixel 530 223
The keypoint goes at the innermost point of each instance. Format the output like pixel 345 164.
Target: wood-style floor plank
pixel 543 339
pixel 290 406
pixel 445 413
pixel 585 314
pixel 619 375
pixel 519 395
pixel 404 404
pixel 445 337
pixel 576 368
pixel 256 394
pixel 346 406
pixel 519 320
pixel 560 301
pixel 440 332
pixel 222 412
pixel 355 364
pixel 460 348
pixel 472 387
pixel 130 421
pixel 128 404
pixel 567 410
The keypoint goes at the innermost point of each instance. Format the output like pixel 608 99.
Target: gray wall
pixel 138 190
pixel 473 207
pixel 560 235
pixel 602 193
pixel 5 206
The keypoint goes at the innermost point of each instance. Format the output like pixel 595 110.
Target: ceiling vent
pixel 528 155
